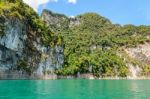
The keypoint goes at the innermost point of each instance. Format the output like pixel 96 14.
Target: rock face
pixel 22 54
pixel 11 43
pixel 11 46
pixel 141 52
pixel 51 59
pixel 134 71
pixel 59 22
pixel 139 60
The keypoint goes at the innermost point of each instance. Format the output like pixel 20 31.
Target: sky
pixel 122 12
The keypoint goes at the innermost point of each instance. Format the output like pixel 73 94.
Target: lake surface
pixel 75 89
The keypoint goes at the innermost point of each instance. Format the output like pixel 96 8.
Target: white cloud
pixel 72 1
pixel 72 16
pixel 36 3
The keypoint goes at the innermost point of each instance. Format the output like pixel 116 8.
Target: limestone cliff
pixel 23 53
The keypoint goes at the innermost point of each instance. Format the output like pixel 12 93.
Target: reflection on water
pixel 75 89
pixel 134 87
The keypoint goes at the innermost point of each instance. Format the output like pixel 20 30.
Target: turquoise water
pixel 75 89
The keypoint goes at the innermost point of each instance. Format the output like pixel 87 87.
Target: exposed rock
pixel 141 52
pixel 59 21
pixel 18 47
pixel 134 71
pixel 51 59
pixel 74 22
pixel 12 44
pixel 14 35
pixel 138 59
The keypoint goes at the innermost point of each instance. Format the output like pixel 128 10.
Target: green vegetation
pixel 22 65
pixel 1 29
pixel 92 45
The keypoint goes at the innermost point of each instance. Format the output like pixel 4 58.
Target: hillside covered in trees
pixel 92 44
pixel 56 44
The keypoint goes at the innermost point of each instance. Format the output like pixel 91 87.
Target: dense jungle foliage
pixel 92 44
